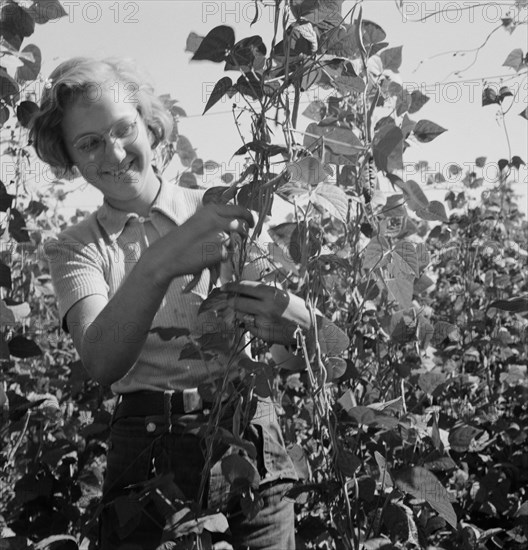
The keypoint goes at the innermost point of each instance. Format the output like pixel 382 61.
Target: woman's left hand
pixel 267 312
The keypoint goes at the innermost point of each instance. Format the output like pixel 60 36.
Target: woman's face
pixel 109 143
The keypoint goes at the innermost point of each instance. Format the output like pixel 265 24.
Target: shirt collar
pixel 171 202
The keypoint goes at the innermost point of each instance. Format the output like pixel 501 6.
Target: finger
pixel 234 211
pixel 239 225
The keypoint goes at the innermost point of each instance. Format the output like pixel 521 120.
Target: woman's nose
pixel 114 149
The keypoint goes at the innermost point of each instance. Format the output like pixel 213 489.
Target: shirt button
pixel 141 219
pixel 151 427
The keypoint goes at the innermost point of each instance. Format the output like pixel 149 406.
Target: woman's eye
pixel 89 145
pixel 125 130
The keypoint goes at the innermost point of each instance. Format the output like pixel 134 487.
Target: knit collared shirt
pixel 96 255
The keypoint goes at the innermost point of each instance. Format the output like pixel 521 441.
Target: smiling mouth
pixel 122 172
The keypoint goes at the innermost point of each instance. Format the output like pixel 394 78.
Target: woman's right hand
pixel 201 242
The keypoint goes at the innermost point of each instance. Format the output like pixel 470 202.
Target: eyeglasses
pixel 92 145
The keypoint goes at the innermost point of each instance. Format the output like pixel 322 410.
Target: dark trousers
pixel 147 448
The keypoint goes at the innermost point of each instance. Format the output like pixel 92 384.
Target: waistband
pixel 157 403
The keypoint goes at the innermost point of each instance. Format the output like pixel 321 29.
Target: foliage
pixel 408 420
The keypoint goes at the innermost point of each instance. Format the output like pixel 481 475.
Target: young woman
pixel 120 277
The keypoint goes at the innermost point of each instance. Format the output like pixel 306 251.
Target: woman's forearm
pixel 111 344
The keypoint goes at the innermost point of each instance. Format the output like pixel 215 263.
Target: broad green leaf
pixel 348 400
pixel 524 113
pixel 515 59
pixel 392 58
pixel 193 42
pixel 406 251
pixel 339 140
pixel 423 485
pixel 402 327
pixel 347 462
pixel 372 33
pixel 185 151
pixel 394 405
pixel 395 206
pixel 373 256
pixel 401 290
pixel 426 131
pixel 323 14
pixel 416 198
pixel 418 100
pixel 460 438
pixel 480 162
pixel 387 148
pixel 188 180
pixel 332 339
pixel 46 10
pixel 246 54
pixel 489 97
pixel 25 111
pixel 332 199
pixel 31 67
pixel 443 330
pixel 340 41
pixel 368 416
pixel 422 284
pixel 8 87
pixel 4 117
pixel 249 84
pixel 429 381
pixel 216 44
pixel 7 317
pixel 308 171
pixel 221 88
pixel 316 110
pixel 335 367
pixel 517 162
pixel 349 84
pixel 434 212
pixel 399 521
pixel 22 347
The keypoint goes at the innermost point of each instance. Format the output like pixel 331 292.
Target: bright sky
pixel 154 32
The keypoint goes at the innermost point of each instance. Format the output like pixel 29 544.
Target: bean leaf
pixel 216 45
pixel 221 88
pixel 422 484
pixel 425 131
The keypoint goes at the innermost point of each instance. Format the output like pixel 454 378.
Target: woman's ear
pixel 75 172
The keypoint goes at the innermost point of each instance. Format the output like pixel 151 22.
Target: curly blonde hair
pixel 84 78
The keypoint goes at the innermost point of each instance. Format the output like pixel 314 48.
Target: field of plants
pixel 406 412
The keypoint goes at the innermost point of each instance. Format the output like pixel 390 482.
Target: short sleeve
pixel 76 272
